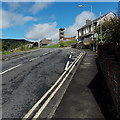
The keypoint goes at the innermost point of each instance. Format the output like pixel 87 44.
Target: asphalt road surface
pixel 27 77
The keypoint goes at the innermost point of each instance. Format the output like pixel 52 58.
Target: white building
pixel 86 32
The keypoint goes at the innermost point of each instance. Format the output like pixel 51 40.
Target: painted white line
pixel 54 92
pixel 68 62
pixel 10 69
pixel 48 52
pixel 34 59
pixel 44 96
pixel 60 99
pixel 45 54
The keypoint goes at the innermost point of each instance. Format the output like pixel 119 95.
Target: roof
pixel 46 41
pixel 102 16
pixel 85 25
pixel 95 20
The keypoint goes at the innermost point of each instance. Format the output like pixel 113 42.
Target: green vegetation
pixel 53 46
pixel 110 30
pixel 62 44
pixel 9 46
pixel 18 50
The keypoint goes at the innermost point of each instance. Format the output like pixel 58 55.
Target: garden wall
pixel 110 66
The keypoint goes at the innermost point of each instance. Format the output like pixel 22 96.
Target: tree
pixel 110 30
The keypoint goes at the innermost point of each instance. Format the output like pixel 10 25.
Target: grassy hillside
pixel 8 46
pixel 62 44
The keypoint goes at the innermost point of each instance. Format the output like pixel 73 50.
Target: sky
pixel 38 20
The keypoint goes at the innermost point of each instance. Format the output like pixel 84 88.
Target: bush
pixel 110 30
pixel 61 42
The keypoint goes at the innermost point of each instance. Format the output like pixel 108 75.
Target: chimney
pixel 88 22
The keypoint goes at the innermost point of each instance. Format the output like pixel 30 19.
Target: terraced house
pixel 86 33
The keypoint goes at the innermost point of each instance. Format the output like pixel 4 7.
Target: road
pixel 27 77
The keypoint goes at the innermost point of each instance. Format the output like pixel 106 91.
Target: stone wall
pixel 110 67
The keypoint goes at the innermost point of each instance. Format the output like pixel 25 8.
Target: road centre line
pixel 45 53
pixel 10 69
pixel 20 64
pixel 38 57
pixel 44 96
pixel 54 92
pixel 48 52
pixel 34 58
pixel 68 62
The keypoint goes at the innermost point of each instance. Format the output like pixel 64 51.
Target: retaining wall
pixel 111 71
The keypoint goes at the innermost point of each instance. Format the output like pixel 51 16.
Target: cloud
pixel 9 19
pixel 38 6
pixel 79 22
pixel 41 31
pixel 50 30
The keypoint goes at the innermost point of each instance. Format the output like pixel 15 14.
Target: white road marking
pixel 10 69
pixel 48 52
pixel 34 58
pixel 42 54
pixel 68 62
pixel 45 53
pixel 44 96
pixel 54 92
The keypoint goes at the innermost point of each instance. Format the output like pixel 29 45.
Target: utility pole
pixel 118 9
pixel 100 28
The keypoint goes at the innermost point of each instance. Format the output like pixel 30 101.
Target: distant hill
pixel 9 44
pixel 15 40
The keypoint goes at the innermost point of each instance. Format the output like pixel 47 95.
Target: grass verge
pixel 62 44
pixel 17 51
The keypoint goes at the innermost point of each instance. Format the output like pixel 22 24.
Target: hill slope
pixel 9 44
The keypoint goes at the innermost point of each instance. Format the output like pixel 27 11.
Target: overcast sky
pixel 37 20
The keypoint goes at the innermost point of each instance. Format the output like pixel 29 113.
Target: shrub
pixel 61 42
pixel 110 30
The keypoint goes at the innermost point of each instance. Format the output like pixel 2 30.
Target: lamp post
pixel 91 9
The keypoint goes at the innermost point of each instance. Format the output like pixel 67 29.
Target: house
pixel 44 42
pixel 86 32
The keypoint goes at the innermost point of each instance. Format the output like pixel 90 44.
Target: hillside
pixel 9 44
pixel 61 44
pixel 13 41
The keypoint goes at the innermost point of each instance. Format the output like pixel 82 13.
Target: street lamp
pixel 86 6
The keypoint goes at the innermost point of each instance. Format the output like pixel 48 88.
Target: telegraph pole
pixel 100 28
pixel 119 9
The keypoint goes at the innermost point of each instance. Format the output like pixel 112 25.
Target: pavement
pixel 79 100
